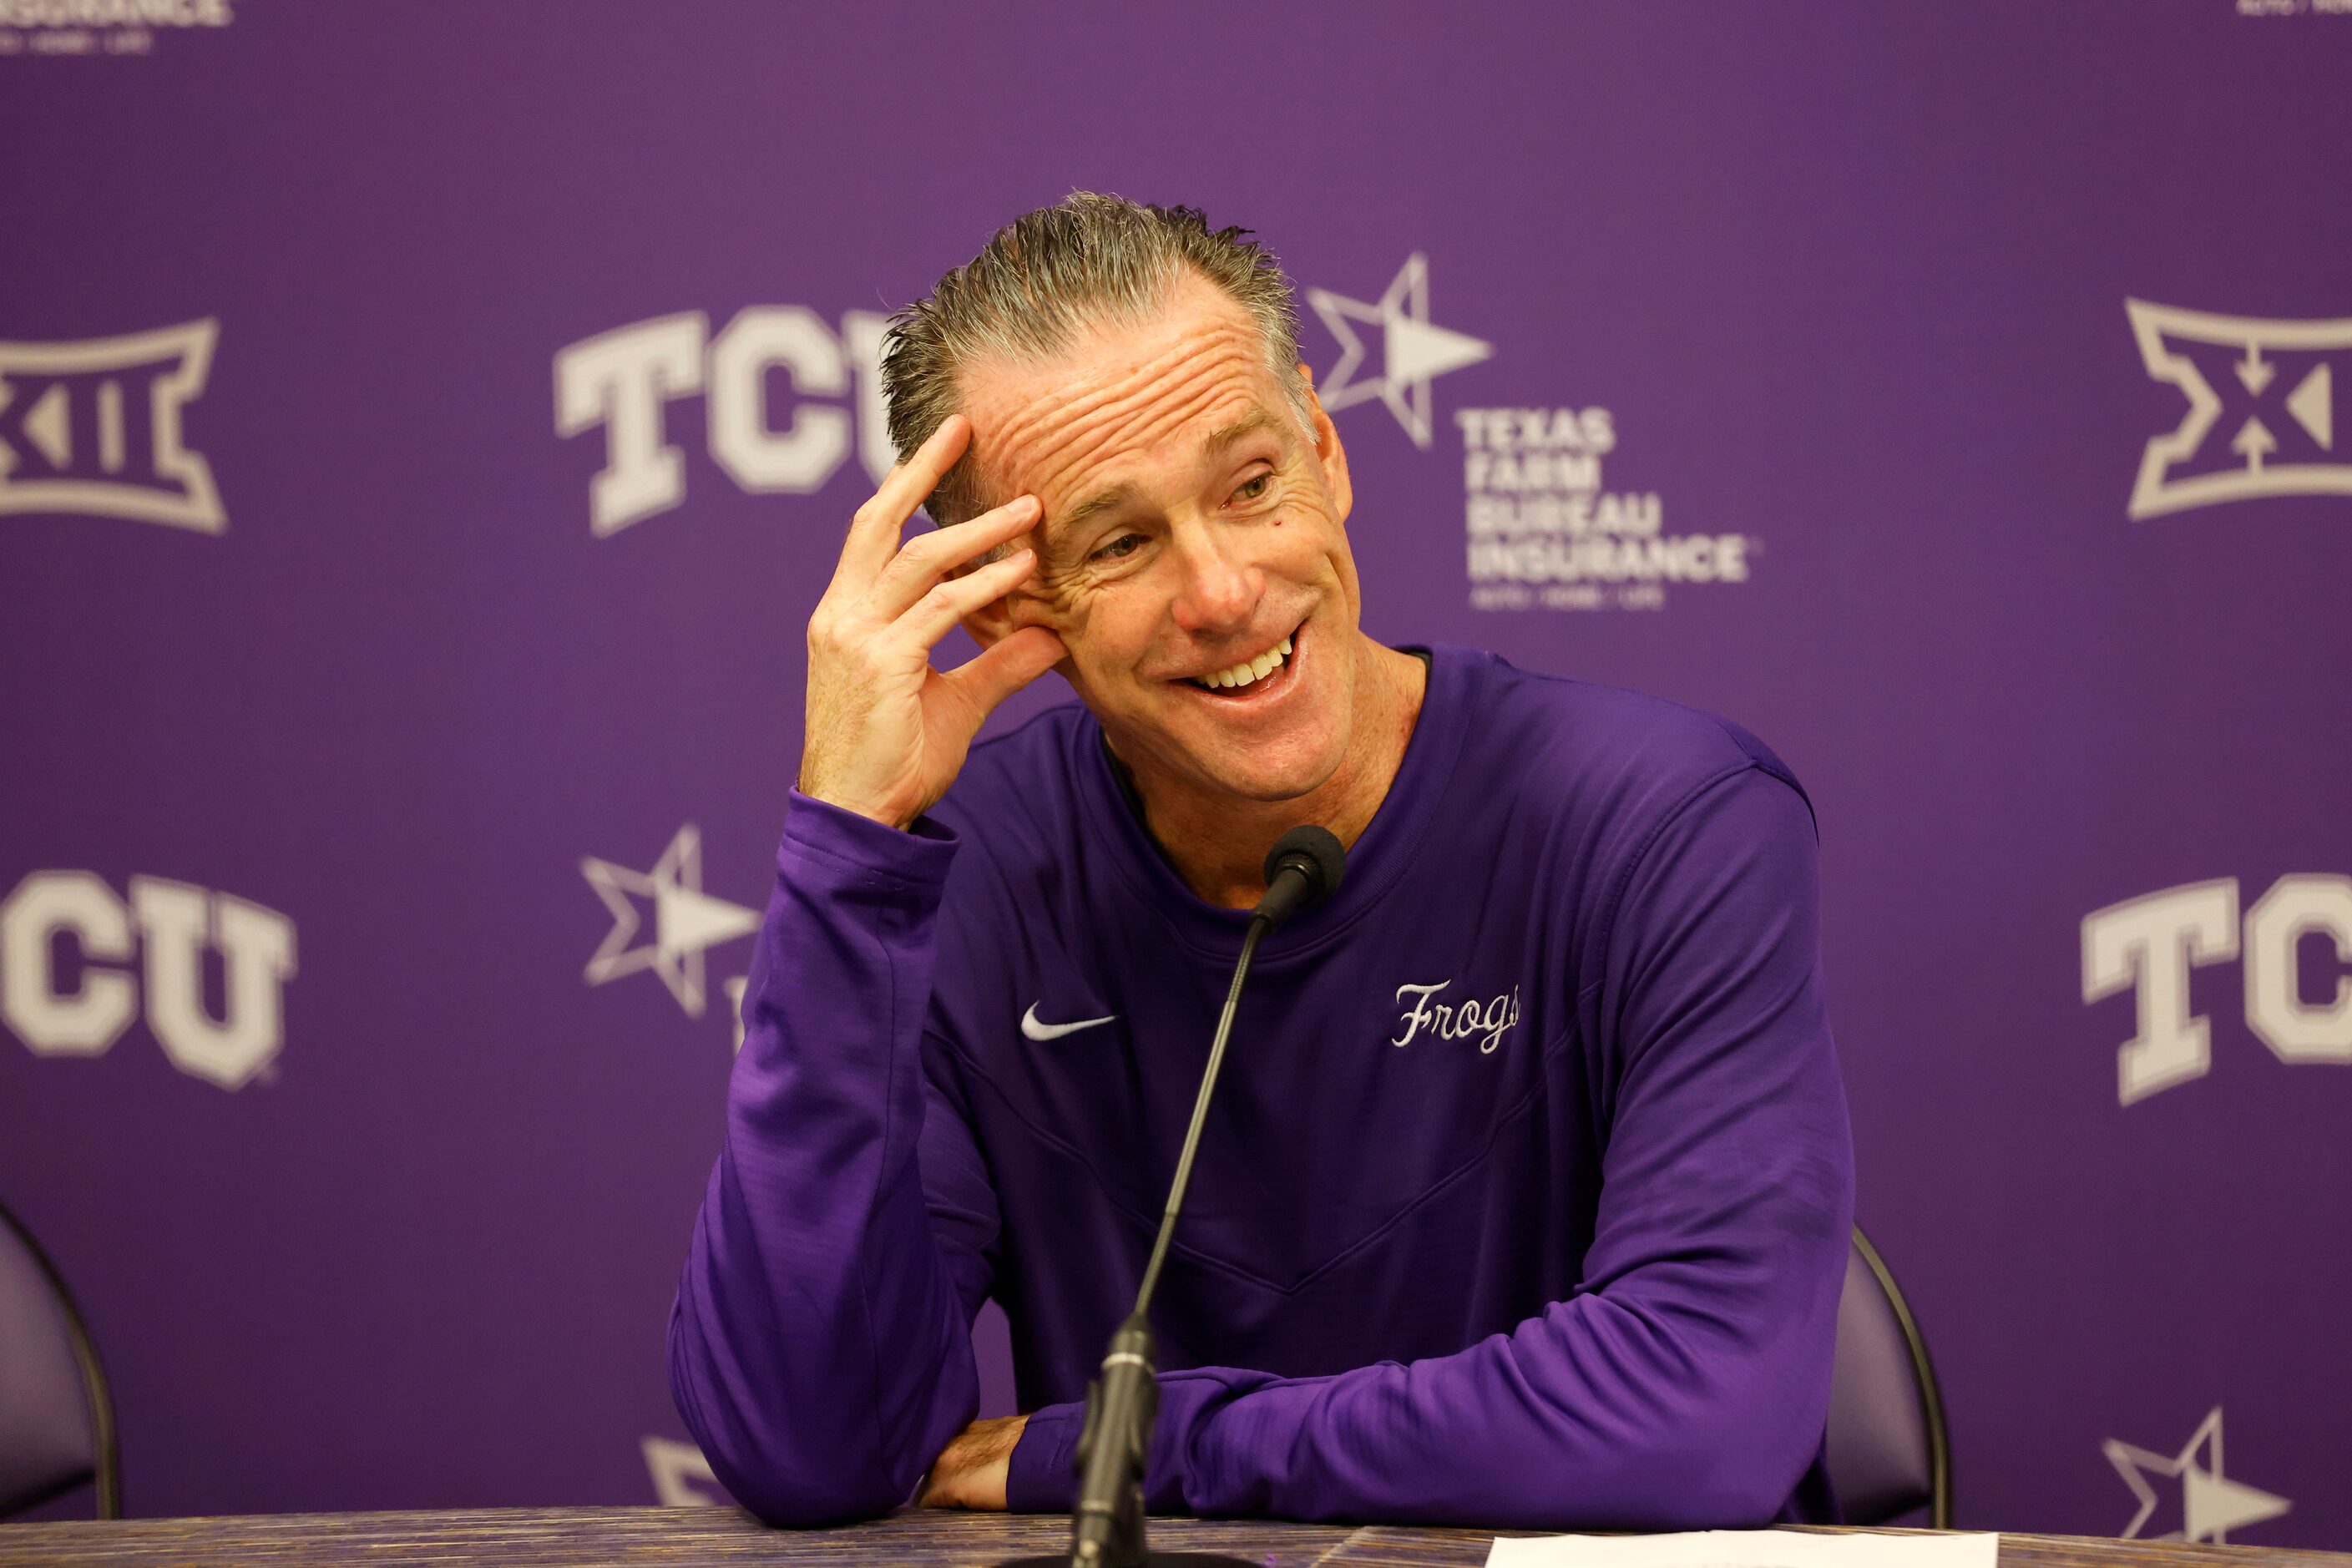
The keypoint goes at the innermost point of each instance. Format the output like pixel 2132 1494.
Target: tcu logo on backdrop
pixel 2262 415
pixel 2150 944
pixel 174 923
pixel 622 380
pixel 93 427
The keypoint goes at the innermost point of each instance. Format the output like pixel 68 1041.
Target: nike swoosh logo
pixel 1035 1030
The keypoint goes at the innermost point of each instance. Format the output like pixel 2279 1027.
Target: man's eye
pixel 1250 489
pixel 1125 544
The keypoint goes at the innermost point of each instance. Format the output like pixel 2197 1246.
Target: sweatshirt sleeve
pixel 1685 1382
pixel 820 1345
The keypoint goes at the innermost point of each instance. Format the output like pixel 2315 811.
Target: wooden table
pixel 683 1537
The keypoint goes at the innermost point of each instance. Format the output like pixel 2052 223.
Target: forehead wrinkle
pixel 1086 412
pixel 1037 409
pixel 1107 421
pixel 1104 439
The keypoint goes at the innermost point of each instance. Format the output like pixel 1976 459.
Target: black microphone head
pixel 1315 852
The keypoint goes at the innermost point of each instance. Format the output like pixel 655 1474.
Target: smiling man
pixel 1525 1197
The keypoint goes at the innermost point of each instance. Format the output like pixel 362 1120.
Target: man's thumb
pixel 1006 665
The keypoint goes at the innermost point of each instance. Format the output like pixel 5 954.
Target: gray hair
pixel 1051 274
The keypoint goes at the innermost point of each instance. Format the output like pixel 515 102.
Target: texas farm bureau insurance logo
pixel 102 26
pixel 2261 408
pixel 94 426
pixel 1543 531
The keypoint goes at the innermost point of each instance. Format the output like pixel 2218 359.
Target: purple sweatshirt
pixel 1523 1201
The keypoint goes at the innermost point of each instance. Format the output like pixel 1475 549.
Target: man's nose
pixel 1221 586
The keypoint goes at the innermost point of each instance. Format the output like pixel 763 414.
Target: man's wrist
pixel 816 790
pixel 919 852
pixel 1040 1477
pixel 970 1470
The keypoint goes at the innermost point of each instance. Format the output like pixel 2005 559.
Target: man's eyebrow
pixel 1100 501
pixel 1219 440
pixel 1249 423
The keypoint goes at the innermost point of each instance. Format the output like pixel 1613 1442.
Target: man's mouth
pixel 1266 665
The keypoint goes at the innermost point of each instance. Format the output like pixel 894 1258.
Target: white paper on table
pixel 1748 1549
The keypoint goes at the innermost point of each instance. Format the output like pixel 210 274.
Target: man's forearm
pixel 819 1348
pixel 1595 1414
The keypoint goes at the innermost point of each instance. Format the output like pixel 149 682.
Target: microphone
pixel 1302 869
pixel 1106 1527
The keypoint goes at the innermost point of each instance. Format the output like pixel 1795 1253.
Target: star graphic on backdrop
pixel 1413 352
pixel 682 1475
pixel 685 920
pixel 2212 1505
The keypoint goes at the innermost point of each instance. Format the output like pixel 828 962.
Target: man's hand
pixel 887 734
pixel 972 1469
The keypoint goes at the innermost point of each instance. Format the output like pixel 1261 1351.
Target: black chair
pixel 57 1421
pixel 1890 1452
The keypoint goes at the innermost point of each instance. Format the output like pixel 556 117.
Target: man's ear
pixel 991 622
pixel 1329 453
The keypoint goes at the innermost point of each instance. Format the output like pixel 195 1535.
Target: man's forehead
pixel 1193 380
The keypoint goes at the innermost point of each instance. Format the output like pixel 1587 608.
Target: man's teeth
pixel 1251 669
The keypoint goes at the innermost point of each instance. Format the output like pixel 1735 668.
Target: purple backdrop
pixel 425 429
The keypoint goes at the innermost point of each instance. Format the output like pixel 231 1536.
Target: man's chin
pixel 1262 762
pixel 1260 778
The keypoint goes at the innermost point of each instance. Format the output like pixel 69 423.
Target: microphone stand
pixel 1115 1444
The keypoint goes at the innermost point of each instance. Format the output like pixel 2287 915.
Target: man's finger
pixel 913 571
pixel 930 617
pixel 874 530
pixel 1006 667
